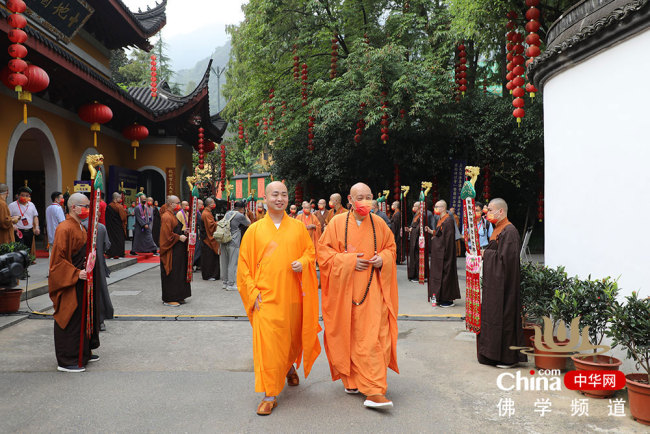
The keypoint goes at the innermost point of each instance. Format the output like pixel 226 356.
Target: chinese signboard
pixel 61 17
pixel 82 186
pixel 171 180
pixel 457 181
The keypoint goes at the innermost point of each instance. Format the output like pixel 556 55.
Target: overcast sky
pixel 194 27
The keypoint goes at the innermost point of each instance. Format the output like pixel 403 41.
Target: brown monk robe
pixel 155 230
pixel 311 223
pixel 337 208
pixel 116 226
pixel 173 256
pixel 210 269
pixel 414 245
pixel 443 277
pixel 66 283
pixel 6 220
pixel 356 255
pixel 321 214
pixel 501 305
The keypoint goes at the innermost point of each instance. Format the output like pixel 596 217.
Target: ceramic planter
pixel 544 358
pixel 10 300
pixel 602 363
pixel 638 394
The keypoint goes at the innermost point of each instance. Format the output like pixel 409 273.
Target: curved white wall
pixel 597 166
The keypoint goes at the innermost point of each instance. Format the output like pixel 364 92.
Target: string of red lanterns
pixel 265 126
pixel 335 54
pixel 95 114
pixel 17 50
pixel 434 189
pixel 511 36
pixel 135 133
pixel 271 108
pixel 154 77
pixel 396 184
pixel 200 141
pixel 532 39
pixel 223 168
pixel 240 129
pixel 361 124
pixel 298 193
pixel 310 134
pixel 384 118
pixel 296 63
pixel 486 183
pixel 462 75
pixel 304 84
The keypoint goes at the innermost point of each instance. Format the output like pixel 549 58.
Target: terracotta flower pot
pixel 602 363
pixel 529 331
pixel 638 393
pixel 10 300
pixel 544 361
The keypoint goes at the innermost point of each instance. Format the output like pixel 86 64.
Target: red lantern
pixel 335 53
pixel 17 21
pixel 17 36
pixel 533 15
pixel 518 113
pixel 35 80
pixel 208 146
pixel 135 133
pixel 304 84
pixel 17 50
pixel 95 114
pixel 16 6
pixel 154 78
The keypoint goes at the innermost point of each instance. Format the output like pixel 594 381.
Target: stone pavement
pixel 189 369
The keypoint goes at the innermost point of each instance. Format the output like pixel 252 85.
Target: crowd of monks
pixel 355 250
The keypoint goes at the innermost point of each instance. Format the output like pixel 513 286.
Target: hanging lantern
pixel 304 84
pixel 223 167
pixel 95 114
pixel 200 147
pixel 335 54
pixel 37 81
pixel 486 183
pixel 511 36
pixel 240 130
pixel 396 184
pixel 154 77
pixel 16 78
pixel 135 133
pixel 462 59
pixel 434 189
pixel 532 15
pixel 296 63
pixel 208 146
pixel 361 124
pixel 298 193
pixel 384 119
pixel 310 133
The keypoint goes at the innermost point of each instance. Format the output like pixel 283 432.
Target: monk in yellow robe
pixel 311 223
pixel 276 278
pixel 356 255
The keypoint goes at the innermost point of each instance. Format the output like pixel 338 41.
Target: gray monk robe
pixel 443 277
pixel 501 304
pixel 142 237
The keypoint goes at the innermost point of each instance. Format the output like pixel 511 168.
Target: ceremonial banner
pixel 191 238
pixel 171 180
pixel 457 180
pixel 473 254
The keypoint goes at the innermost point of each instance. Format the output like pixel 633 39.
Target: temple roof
pixel 585 29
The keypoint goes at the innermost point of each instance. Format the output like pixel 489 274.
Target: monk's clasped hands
pixel 296 266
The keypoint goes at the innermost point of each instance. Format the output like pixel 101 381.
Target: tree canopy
pixel 395 58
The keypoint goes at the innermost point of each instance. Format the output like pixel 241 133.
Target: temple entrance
pixel 33 160
pixel 153 183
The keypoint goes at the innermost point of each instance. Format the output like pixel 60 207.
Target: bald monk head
pixel 360 198
pixel 185 205
pixel 395 206
pixel 321 204
pixel 416 207
pixel 335 201
pixel 260 206
pixel 375 205
pixel 277 198
pixel 209 202
pixel 497 210
pixel 199 204
pixel 117 197
pixel 306 207
pixel 77 204
pixel 440 208
pixel 172 203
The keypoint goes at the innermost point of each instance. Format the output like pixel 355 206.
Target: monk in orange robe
pixel 66 285
pixel 311 223
pixel 356 255
pixel 276 278
pixel 336 207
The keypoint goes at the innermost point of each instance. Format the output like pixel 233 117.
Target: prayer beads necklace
pixel 374 239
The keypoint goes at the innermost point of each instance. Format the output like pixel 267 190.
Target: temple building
pixel 72 42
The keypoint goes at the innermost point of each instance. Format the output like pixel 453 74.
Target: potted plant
pixel 538 286
pixel 630 328
pixel 9 294
pixel 592 301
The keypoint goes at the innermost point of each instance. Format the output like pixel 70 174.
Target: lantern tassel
pixel 134 151
pixel 95 139
pixel 25 113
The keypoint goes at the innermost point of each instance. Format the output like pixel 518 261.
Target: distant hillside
pixel 188 78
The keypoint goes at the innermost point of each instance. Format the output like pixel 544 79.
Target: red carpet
pixel 147 258
pixel 42 254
